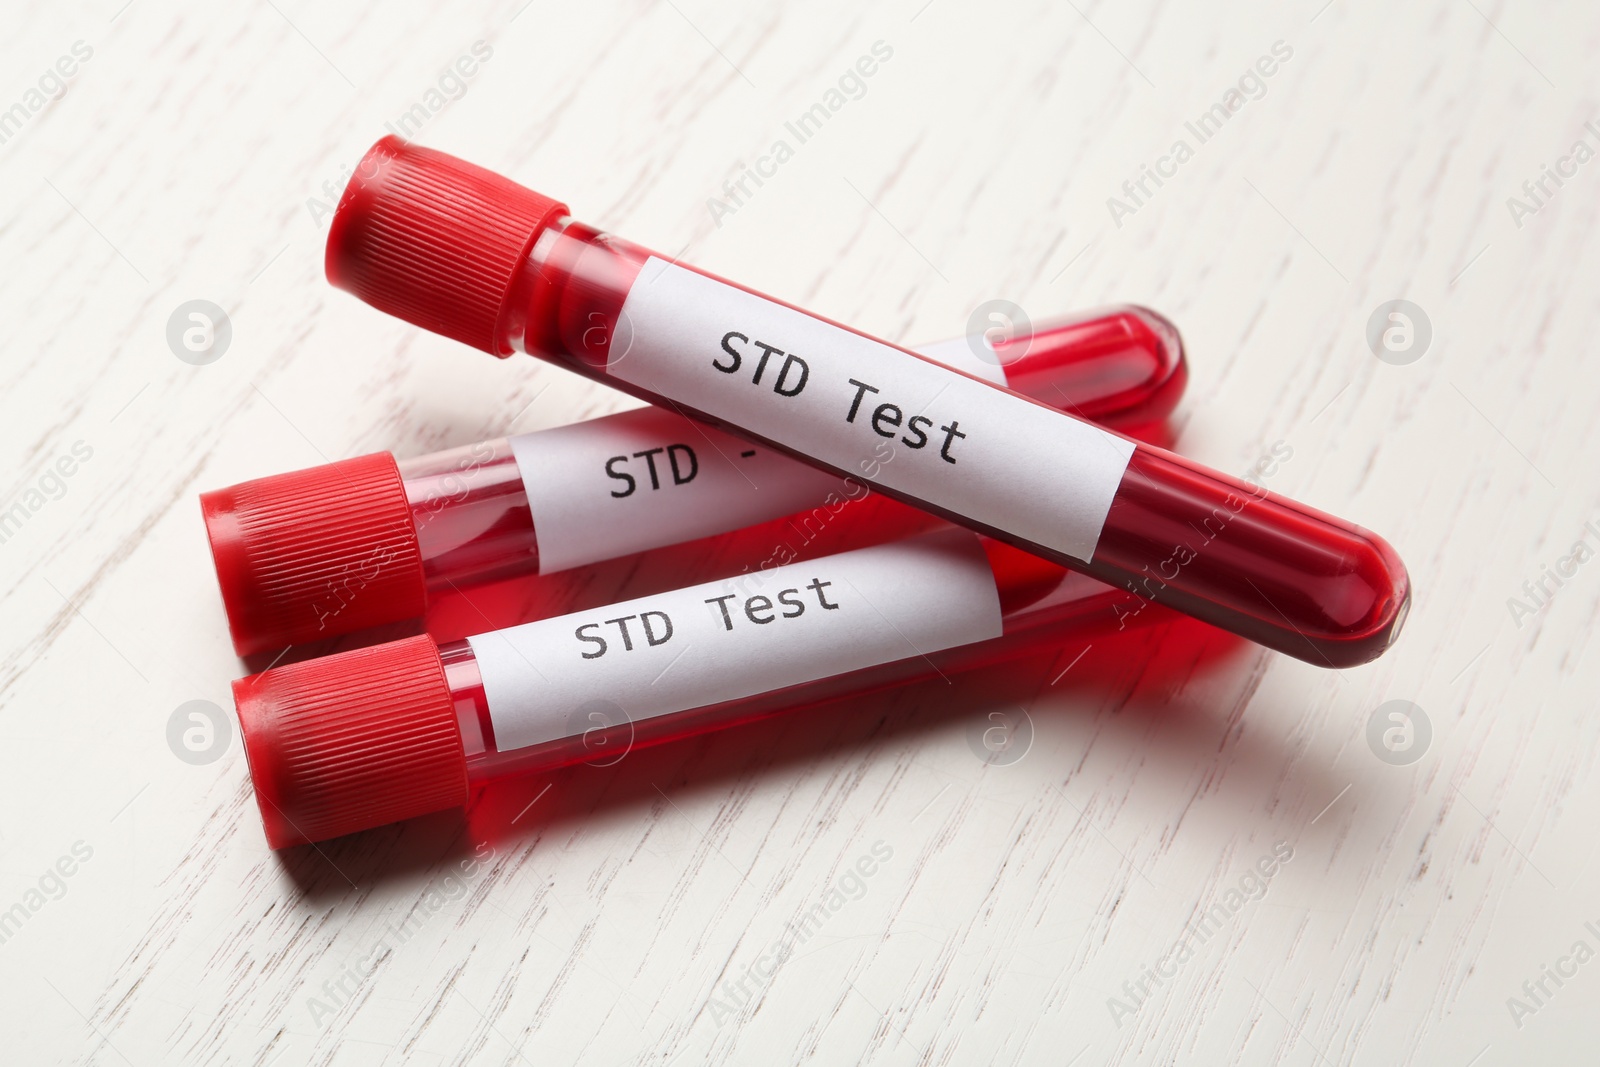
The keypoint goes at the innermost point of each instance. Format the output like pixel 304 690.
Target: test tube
pixel 368 541
pixel 371 736
pixel 464 252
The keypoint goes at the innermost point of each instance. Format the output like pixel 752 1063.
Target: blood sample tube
pixel 371 736
pixel 346 546
pixel 466 253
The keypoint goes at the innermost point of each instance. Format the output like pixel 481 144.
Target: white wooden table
pixel 625 916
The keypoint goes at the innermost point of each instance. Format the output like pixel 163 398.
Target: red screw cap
pixel 351 741
pixel 435 240
pixel 315 553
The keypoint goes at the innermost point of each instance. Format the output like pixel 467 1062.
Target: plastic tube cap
pixel 351 741
pixel 435 240
pixel 315 553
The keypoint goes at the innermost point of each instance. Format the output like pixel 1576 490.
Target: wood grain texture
pixel 622 916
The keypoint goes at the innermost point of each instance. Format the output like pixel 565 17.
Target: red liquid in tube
pixel 343 547
pixel 375 735
pixel 464 252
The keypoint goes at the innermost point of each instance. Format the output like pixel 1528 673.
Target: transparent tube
pixel 342 743
pixel 1231 554
pixel 1120 366
pixel 459 250
pixel 1042 606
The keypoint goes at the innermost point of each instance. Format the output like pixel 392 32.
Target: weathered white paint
pixel 1018 899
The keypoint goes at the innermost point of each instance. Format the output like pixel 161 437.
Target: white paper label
pixel 736 638
pixel 958 352
pixel 642 479
pixel 865 408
